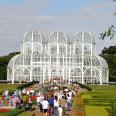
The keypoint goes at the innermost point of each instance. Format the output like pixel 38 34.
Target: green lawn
pixel 105 88
pixel 100 98
pixel 95 111
pixel 10 87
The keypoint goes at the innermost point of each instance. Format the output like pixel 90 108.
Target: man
pixel 51 103
pixel 45 106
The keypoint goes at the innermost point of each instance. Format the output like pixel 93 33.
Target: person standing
pixel 45 106
pixel 60 111
pixel 51 103
pixel 62 103
pixel 56 105
pixel 68 100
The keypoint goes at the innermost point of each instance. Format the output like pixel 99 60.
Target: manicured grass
pixel 86 96
pixel 8 86
pixel 98 99
pixel 95 111
pixel 105 88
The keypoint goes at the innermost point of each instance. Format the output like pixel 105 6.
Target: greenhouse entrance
pixel 56 79
pixel 76 75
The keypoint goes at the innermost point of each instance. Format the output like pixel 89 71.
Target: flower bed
pixel 3 110
pixel 13 112
pixel 33 98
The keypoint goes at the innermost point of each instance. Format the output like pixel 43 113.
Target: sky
pixel 70 16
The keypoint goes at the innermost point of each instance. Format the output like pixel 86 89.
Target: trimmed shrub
pixel 27 85
pixel 83 86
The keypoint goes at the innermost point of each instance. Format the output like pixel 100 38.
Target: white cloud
pixel 16 19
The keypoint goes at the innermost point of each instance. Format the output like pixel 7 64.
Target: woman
pixel 56 105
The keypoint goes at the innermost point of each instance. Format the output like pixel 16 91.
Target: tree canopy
pixel 110 50
pixel 110 32
pixel 3 65
pixel 109 54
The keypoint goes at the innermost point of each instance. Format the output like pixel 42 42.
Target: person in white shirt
pixel 45 105
pixel 6 92
pixel 28 92
pixel 56 105
pixel 60 111
pixel 24 91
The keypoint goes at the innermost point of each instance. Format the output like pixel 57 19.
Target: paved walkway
pixel 74 111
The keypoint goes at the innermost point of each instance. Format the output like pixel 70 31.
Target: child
pixel 60 111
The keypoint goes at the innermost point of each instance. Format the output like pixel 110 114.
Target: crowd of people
pixel 63 101
pixel 17 99
pixel 56 104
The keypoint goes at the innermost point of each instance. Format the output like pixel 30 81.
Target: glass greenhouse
pixel 59 58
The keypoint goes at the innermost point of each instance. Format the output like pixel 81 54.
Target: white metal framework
pixel 58 57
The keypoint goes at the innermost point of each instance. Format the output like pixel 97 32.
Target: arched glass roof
pixel 91 59
pixel 96 61
pixel 12 60
pixel 103 62
pixel 84 36
pixel 59 37
pixel 23 59
pixel 32 36
pixel 87 37
pixel 78 37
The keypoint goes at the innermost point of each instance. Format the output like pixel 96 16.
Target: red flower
pixel 3 110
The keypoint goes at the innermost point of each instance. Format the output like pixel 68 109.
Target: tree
pixel 111 32
pixel 110 50
pixel 4 60
pixel 109 54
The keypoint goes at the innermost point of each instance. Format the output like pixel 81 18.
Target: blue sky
pixel 11 2
pixel 58 6
pixel 70 16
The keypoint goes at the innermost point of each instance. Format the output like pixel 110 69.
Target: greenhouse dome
pixel 58 59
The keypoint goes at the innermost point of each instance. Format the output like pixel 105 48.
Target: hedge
pixel 27 85
pixel 83 86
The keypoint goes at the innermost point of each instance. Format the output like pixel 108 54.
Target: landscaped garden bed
pixel 12 112
pixel 100 101
pixel 3 110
